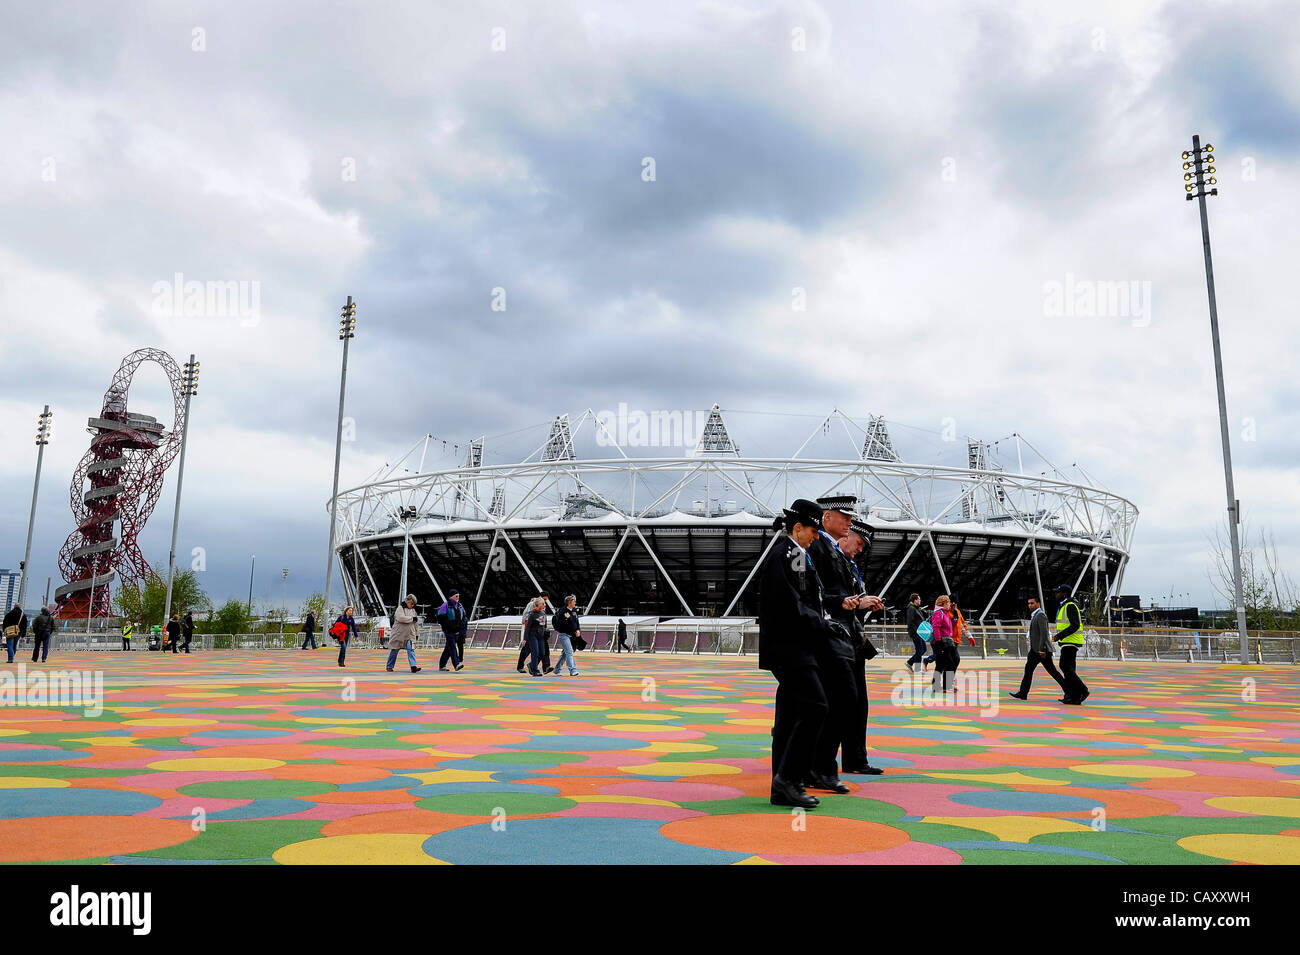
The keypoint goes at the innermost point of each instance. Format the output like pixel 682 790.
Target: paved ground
pixel 279 756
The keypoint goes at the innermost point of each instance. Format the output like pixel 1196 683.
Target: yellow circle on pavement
pixel 381 848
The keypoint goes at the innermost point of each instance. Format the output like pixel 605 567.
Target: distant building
pixel 9 580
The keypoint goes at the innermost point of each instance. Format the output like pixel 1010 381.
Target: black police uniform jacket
pixel 838 582
pixel 792 632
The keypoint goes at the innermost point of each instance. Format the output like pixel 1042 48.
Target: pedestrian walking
pixel 1040 651
pixel 187 630
pixel 1069 635
pixel 344 626
pixel 535 634
pixel 174 634
pixel 406 629
pixel 915 617
pixel 568 628
pixel 454 622
pixel 960 628
pixel 308 631
pixel 42 632
pixel 15 626
pixel 945 649
pixel 621 633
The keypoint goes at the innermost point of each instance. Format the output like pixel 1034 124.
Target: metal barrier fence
pixel 991 641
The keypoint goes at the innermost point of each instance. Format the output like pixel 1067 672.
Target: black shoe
pixel 832 783
pixel 1066 699
pixel 867 770
pixel 547 669
pixel 1018 696
pixel 519 669
pixel 1086 694
pixel 1073 702
pixel 415 669
pixel 788 794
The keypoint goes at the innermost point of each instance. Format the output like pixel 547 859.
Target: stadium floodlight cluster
pixel 685 533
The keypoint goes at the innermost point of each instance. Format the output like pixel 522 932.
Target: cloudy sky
pixel 925 174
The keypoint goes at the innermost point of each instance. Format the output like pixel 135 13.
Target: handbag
pixel 925 631
pixel 11 632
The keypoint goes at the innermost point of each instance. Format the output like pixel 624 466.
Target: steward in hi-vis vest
pixel 1069 634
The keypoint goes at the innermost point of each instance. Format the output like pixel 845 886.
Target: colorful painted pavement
pixel 264 757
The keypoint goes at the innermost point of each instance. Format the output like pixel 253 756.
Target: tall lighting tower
pixel 1199 181
pixel 347 331
pixel 190 386
pixel 43 423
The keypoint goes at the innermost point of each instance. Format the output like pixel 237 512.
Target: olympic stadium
pixel 594 512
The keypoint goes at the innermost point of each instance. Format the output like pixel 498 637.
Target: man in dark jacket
pixel 1040 651
pixel 42 628
pixel 174 633
pixel 915 617
pixel 187 630
pixel 455 623
pixel 853 753
pixel 792 635
pixel 621 634
pixel 835 658
pixel 308 631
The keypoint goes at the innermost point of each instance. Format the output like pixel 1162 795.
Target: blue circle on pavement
pixel 584 841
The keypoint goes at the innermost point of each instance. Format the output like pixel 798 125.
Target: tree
pixel 315 604
pixel 144 605
pixel 1094 608
pixel 1268 591
pixel 231 617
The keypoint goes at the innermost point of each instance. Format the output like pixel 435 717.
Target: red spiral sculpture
pixel 117 483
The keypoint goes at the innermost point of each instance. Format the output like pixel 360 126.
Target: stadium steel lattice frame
pixel 577 517
pixel 124 467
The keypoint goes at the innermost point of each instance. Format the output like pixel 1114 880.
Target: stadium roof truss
pixel 552 487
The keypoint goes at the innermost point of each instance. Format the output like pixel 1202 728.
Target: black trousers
pixel 453 649
pixel 622 645
pixel 545 646
pixel 853 750
pixel 801 710
pixel 1073 686
pixel 841 722
pixel 1046 663
pixel 918 646
pixel 190 636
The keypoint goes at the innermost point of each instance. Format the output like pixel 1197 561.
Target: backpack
pixel 555 622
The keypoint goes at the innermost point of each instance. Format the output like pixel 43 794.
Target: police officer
pixel 854 750
pixel 792 634
pixel 1069 635
pixel 840 597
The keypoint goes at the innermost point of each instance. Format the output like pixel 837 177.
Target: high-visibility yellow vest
pixel 1063 623
pixel 127 631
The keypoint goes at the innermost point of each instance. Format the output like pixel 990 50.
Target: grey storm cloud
pixel 523 170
